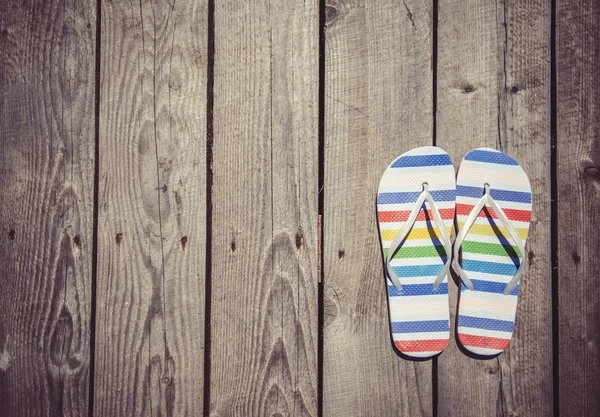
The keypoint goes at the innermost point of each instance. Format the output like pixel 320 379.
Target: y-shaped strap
pixel 397 242
pixel 487 199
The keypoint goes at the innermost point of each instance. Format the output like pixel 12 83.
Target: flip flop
pixel 493 209
pixel 415 211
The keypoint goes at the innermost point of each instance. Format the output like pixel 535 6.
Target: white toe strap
pixel 488 200
pixel 399 239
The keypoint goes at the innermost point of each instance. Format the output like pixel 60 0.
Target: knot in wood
pixel 592 172
pixel 330 15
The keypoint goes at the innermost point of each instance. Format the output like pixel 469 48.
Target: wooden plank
pixel 264 211
pixel 578 177
pixel 47 66
pixel 493 90
pixel 151 260
pixel 378 104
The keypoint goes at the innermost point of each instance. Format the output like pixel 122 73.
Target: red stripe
pixel 402 215
pixel 421 345
pixel 512 214
pixel 483 341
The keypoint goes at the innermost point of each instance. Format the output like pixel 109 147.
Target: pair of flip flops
pixel 418 199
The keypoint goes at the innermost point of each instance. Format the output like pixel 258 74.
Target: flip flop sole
pixel 419 314
pixel 486 317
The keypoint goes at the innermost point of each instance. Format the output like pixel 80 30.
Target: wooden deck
pixel 187 217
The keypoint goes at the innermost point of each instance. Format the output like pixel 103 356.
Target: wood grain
pixel 493 90
pixel 378 104
pixel 151 260
pixel 46 199
pixel 578 160
pixel 264 211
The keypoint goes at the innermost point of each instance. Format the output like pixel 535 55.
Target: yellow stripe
pixel 424 233
pixel 487 230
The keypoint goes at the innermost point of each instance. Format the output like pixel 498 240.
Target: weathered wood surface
pixel 493 90
pixel 578 171
pixel 264 209
pixel 46 203
pixel 174 94
pixel 378 104
pixel 151 220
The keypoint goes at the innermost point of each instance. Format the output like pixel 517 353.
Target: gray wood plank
pixel 378 104
pixel 151 260
pixel 47 66
pixel 578 160
pixel 264 209
pixel 493 90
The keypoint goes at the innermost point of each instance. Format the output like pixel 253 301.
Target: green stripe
pixel 418 252
pixel 490 249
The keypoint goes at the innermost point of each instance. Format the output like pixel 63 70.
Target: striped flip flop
pixel 415 210
pixel 493 208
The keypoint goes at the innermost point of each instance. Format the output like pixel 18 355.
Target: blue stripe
pixel 418 289
pixel 411 197
pixel 487 324
pixel 489 267
pixel 420 326
pixel 411 271
pixel 491 157
pixel 500 195
pixel 422 161
pixel 489 286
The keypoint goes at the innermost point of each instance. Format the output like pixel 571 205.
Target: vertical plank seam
pixel 94 277
pixel 434 99
pixel 434 69
pixel 210 78
pixel 502 103
pixel 320 207
pixel 554 211
pixel 502 110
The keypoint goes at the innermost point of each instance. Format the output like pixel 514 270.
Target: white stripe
pixel 498 169
pixel 502 203
pixel 421 224
pixel 503 279
pixel 467 294
pixel 494 315
pixel 405 337
pixel 393 186
pixel 469 171
pixel 415 281
pixel 461 218
pixel 497 185
pixel 477 304
pixel 410 206
pixel 421 301
pixel 416 261
pixel 401 313
pixel 413 243
pixel 472 237
pixel 506 260
pixel 483 332
pixel 413 178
